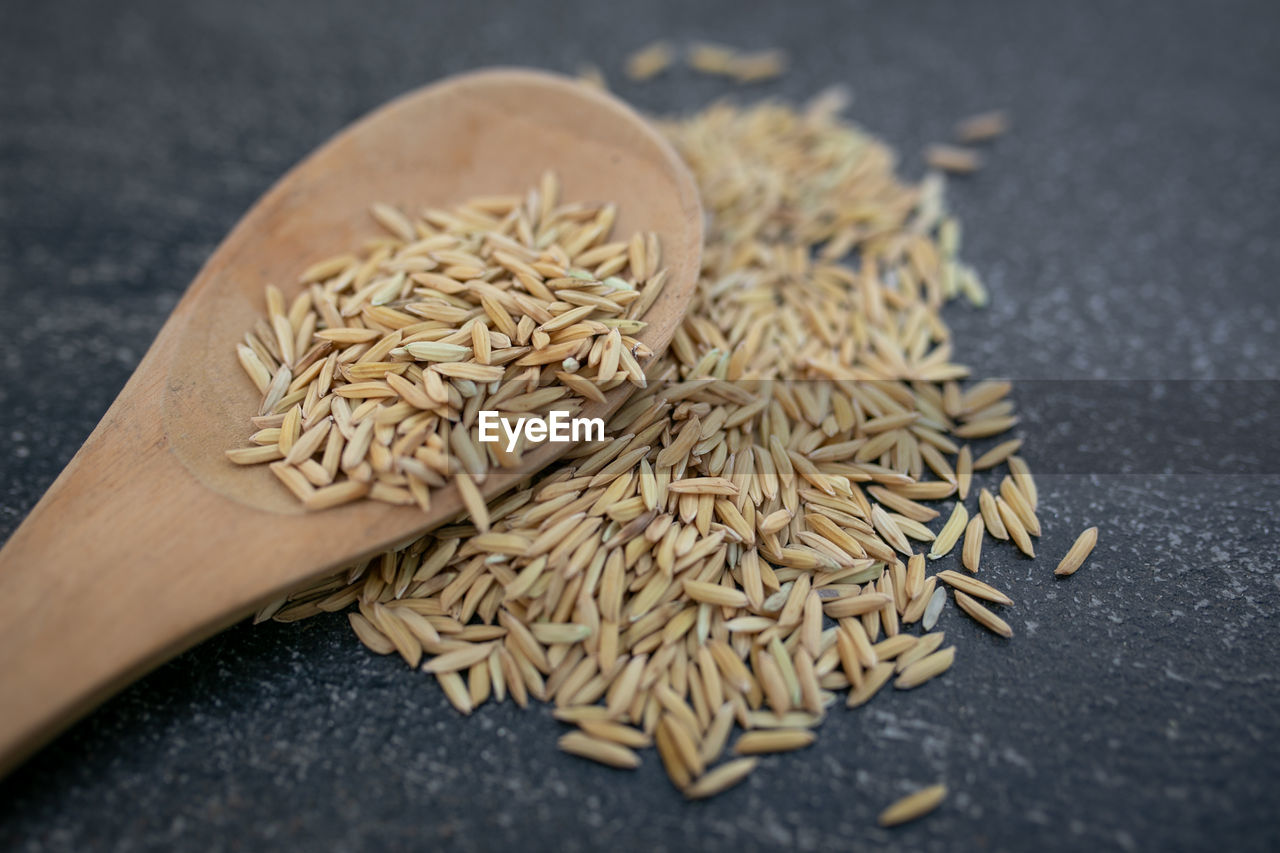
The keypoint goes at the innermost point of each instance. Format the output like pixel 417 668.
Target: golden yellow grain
pixel 710 58
pixel 671 580
pixel 950 533
pixel 991 515
pixel 1024 480
pixel 600 751
pixel 952 158
pixel 856 605
pixel 982 127
pixel 890 647
pixel 455 689
pixel 919 605
pixel 458 659
pixel 1078 553
pixel 650 61
pixel 758 66
pixel 472 500
pixel 391 343
pixel 925 669
pixel 372 638
pixel 964 472
pixel 997 454
pixel 974 587
pixel 777 740
pixel 982 615
pixel 721 778
pixel 1020 504
pixel 712 593
pixel 717 734
pixel 971 555
pixel 927 645
pixel 1013 524
pixel 336 495
pixel 616 733
pixel 876 678
pixel 913 806
pixel 255 455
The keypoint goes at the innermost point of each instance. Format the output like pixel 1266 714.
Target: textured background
pixel 1127 228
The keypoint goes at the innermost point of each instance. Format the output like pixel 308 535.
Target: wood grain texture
pixel 150 540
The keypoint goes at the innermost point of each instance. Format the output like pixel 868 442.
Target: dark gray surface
pixel 1127 228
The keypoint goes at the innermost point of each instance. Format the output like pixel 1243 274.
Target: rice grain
pixel 913 806
pixel 777 740
pixel 982 615
pixel 1078 553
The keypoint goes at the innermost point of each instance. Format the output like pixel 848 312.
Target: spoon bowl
pixel 150 540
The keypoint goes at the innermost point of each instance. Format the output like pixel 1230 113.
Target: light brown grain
pixel 1078 553
pixel 913 806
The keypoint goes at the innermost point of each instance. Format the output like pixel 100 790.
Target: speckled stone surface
pixel 1127 229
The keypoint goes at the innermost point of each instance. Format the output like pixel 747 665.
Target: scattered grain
pixel 982 615
pixel 913 806
pixel 766 473
pixel 650 61
pixel 952 158
pixel 777 740
pixel 601 751
pixel 1078 553
pixel 926 668
pixel 721 778
pixel 982 127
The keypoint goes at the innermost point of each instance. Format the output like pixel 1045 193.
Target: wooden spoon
pixel 151 540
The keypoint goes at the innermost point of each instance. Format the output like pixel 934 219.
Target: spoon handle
pixel 126 561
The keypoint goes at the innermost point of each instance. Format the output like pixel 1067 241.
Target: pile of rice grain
pixel 372 378
pixel 747 547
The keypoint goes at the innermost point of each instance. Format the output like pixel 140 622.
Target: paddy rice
pixel 746 547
